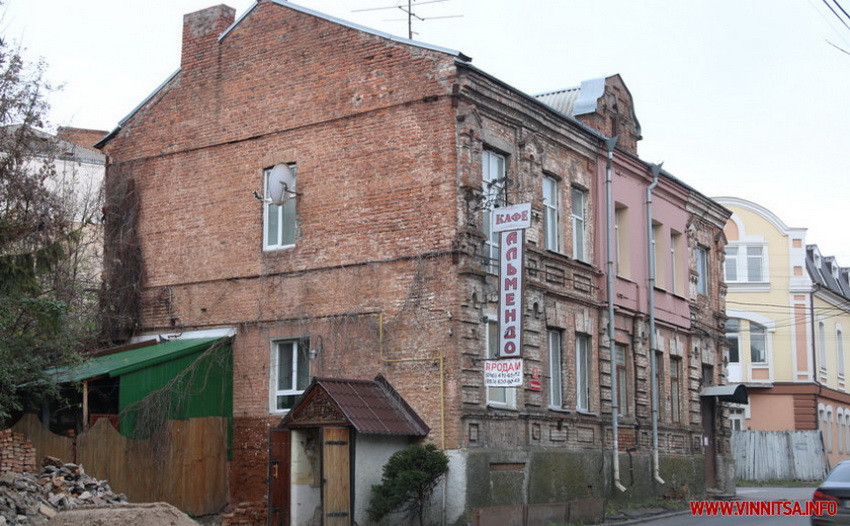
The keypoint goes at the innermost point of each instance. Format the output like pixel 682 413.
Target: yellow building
pixel 789 310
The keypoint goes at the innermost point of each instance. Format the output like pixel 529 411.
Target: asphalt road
pixel 753 494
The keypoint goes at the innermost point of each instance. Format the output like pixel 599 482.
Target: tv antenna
pixel 408 10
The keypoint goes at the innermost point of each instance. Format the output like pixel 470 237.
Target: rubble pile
pixel 33 499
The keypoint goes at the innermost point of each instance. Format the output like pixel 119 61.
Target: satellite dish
pixel 281 184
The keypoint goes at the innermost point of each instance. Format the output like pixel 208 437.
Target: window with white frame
pixel 847 433
pixel 839 350
pixel 657 254
pixel 839 418
pixel 280 222
pixel 821 345
pixel 677 262
pixel 556 372
pixel 745 264
pixel 290 372
pixel 733 336
pixel 736 419
pixel 551 205
pixel 758 343
pixel 493 183
pixel 583 372
pixel 702 269
pixel 828 433
pixel 621 228
pixel 496 396
pixel 578 212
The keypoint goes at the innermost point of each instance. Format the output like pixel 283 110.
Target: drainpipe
pixel 650 250
pixel 615 408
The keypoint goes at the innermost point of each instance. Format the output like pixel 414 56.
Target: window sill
pixel 498 405
pixel 585 412
pixel 748 286
pixel 278 248
pixel 559 410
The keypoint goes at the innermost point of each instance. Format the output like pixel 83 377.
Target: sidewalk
pixel 640 515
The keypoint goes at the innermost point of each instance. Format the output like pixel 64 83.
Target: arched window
pixel 828 431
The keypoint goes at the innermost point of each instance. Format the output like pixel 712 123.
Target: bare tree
pixel 45 224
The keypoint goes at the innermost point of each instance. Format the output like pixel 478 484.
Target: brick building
pixel 381 260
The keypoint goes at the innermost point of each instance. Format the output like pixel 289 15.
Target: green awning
pixel 127 361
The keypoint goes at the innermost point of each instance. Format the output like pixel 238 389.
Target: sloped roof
pixel 372 407
pixel 578 100
pixel 820 269
pixel 124 362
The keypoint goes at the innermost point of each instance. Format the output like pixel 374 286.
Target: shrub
pixel 408 480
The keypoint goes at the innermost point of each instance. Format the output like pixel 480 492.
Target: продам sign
pixel 503 373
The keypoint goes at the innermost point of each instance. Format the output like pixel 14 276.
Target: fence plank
pixel 45 442
pixel 184 465
pixel 779 455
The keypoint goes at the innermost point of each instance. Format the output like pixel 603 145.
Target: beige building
pixel 789 309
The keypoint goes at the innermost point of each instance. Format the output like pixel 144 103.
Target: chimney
pixel 201 30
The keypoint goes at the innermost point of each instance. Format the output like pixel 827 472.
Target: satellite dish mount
pixel 281 184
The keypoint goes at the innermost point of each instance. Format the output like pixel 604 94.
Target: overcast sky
pixel 737 97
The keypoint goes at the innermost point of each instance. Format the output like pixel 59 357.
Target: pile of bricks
pixel 17 454
pixel 32 499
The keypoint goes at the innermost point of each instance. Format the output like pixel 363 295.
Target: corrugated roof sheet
pixel 372 407
pixel 578 100
pixel 127 361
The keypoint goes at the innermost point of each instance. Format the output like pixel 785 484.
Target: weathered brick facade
pixel 386 273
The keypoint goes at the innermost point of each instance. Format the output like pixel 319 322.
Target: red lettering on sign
pixel 510 284
pixel 510 348
pixel 511 269
pixel 511 253
pixel 510 315
pixel 512 238
pixel 510 299
pixel 510 334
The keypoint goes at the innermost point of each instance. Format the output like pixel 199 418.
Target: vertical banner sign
pixel 511 221
pixel 510 292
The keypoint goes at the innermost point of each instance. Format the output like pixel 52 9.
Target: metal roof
pixel 736 393
pixel 822 271
pixel 372 407
pixel 124 362
pixel 578 100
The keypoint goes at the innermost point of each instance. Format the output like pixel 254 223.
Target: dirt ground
pixel 152 514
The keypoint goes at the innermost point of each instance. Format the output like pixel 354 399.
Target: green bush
pixel 408 480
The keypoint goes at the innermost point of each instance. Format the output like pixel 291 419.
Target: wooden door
pixel 279 471
pixel 709 440
pixel 336 476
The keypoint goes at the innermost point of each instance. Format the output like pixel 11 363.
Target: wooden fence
pixel 184 465
pixel 779 455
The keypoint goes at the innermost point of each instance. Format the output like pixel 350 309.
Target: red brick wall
pixel 374 141
pixel 17 454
